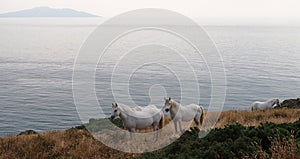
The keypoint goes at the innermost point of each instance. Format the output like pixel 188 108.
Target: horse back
pixel 188 112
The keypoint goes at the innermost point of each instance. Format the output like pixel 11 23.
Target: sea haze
pixel 37 57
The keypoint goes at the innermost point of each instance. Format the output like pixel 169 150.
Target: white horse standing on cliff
pixel 269 104
pixel 141 118
pixel 181 113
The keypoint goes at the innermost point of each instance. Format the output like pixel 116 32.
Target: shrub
pixel 235 141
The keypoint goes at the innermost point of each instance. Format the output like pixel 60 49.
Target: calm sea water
pixel 37 57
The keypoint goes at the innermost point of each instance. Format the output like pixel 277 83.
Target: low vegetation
pixel 248 118
pixel 238 134
pixel 72 143
pixel 268 140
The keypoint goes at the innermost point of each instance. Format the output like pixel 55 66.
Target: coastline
pixel 77 142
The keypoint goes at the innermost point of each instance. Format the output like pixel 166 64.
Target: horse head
pixel 167 107
pixel 277 103
pixel 115 111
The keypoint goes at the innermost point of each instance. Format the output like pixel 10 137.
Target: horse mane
pixel 269 100
pixel 174 103
pixel 275 100
pixel 126 109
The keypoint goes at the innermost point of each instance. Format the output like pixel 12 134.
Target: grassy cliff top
pixel 79 143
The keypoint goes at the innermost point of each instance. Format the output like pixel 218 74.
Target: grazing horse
pixel 181 113
pixel 269 104
pixel 138 119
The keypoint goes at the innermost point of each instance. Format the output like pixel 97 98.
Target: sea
pixel 37 57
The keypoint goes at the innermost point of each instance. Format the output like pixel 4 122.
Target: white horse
pixel 139 108
pixel 269 104
pixel 181 113
pixel 138 119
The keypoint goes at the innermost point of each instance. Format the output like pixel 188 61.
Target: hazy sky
pixel 224 9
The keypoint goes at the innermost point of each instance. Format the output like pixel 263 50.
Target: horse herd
pixel 150 116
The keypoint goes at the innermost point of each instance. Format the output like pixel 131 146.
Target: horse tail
pixel 162 120
pixel 202 115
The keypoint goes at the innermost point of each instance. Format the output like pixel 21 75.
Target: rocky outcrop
pixel 291 103
pixel 28 132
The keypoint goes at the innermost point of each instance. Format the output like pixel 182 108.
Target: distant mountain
pixel 47 12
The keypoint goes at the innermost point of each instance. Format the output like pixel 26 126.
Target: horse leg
pixel 175 125
pixel 155 135
pixel 131 130
pixel 180 126
pixel 197 120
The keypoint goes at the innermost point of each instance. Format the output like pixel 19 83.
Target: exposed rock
pixel 92 120
pixel 28 132
pixel 291 103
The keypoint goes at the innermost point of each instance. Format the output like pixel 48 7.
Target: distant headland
pixel 46 12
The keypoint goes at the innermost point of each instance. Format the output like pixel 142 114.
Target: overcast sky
pixel 286 10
